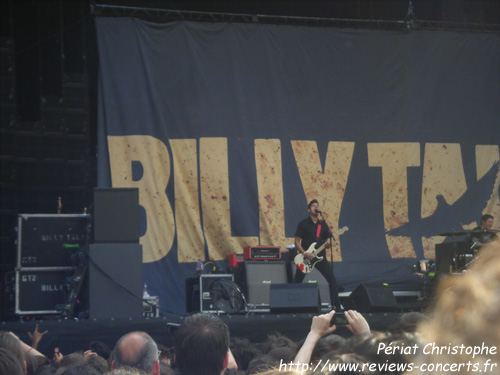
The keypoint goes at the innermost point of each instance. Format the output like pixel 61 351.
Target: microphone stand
pixel 331 238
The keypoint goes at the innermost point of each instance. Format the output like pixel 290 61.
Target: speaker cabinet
pixel 116 215
pixel 371 298
pixel 115 281
pixel 446 252
pixel 192 294
pixel 290 298
pixel 260 275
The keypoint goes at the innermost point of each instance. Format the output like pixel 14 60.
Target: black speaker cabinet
pixel 290 298
pixel 371 298
pixel 260 275
pixel 193 294
pixel 116 215
pixel 445 254
pixel 116 284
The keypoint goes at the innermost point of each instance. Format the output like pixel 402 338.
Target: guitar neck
pixel 316 251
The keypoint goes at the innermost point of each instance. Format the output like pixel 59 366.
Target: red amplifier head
pixel 262 253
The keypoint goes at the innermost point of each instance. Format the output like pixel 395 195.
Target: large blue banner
pixel 228 130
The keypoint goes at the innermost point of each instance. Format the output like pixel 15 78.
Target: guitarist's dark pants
pixel 326 270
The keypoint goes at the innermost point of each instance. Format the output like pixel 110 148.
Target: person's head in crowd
pixel 467 311
pixel 401 358
pixel 100 348
pixel 166 369
pixel 243 351
pixel 407 322
pixel 370 349
pixel 331 344
pixel 98 363
pixel 31 364
pixel 275 340
pixel 283 353
pixel 71 360
pixel 126 370
pixel 138 350
pixel 77 370
pixel 10 343
pixel 367 346
pixel 44 366
pixel 202 345
pixel 165 354
pixel 10 363
pixel 46 370
pixel 42 361
pixel 262 363
pixel 351 359
pixel 287 371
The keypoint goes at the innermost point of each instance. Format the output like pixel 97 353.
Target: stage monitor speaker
pixel 371 298
pixel 316 277
pixel 260 275
pixel 294 298
pixel 115 281
pixel 116 215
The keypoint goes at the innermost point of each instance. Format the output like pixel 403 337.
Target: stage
pixel 73 334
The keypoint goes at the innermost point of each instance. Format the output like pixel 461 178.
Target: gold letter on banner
pixel 155 161
pixel 327 186
pixel 214 180
pixel 443 174
pixel 486 156
pixel 190 241
pixel 394 158
pixel 270 184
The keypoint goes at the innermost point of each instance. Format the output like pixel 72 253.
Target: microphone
pixel 319 212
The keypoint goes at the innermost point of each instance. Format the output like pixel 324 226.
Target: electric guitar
pixel 306 265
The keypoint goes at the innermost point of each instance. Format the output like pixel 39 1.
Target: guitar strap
pixel 318 232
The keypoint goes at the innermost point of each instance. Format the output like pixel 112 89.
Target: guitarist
pixel 311 230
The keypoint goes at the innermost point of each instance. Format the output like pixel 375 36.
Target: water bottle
pixel 145 293
pixel 199 267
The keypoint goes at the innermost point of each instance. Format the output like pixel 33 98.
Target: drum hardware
pixel 453 234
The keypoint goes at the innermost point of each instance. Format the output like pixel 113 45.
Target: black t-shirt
pixel 307 231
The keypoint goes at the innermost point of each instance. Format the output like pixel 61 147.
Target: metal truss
pixel 169 15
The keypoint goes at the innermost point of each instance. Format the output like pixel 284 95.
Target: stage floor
pixel 73 335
